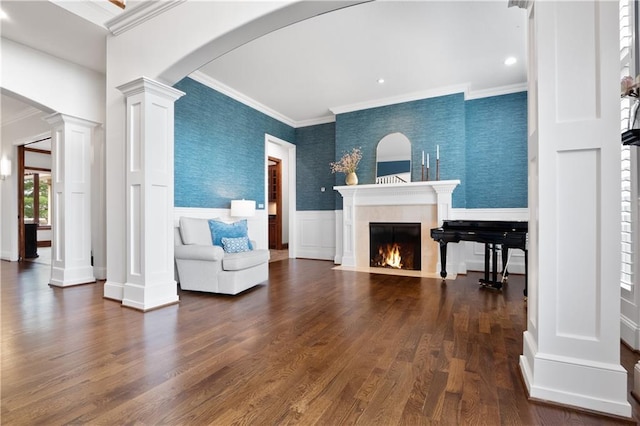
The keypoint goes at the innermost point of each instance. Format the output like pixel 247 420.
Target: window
pixel 626 68
pixel 37 195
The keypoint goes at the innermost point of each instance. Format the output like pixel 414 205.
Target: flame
pixel 390 255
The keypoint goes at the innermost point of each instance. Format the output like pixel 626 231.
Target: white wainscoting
pixel 467 256
pixel 316 234
pixel 472 254
pixel 258 224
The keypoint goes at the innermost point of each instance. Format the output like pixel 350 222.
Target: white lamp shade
pixel 243 208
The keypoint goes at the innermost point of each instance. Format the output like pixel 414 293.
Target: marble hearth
pixel 428 203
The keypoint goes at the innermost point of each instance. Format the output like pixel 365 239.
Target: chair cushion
pixel 220 230
pixel 244 260
pixel 195 231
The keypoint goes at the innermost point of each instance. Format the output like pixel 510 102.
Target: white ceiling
pixel 331 62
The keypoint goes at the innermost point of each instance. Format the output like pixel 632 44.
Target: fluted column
pixel 71 200
pixel 149 194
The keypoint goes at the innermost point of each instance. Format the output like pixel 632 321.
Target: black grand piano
pixel 494 234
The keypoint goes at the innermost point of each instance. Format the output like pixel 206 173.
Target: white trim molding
pixel 139 14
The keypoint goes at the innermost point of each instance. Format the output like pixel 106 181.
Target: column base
pixel 147 297
pixel 66 277
pixel 581 383
pixel 113 290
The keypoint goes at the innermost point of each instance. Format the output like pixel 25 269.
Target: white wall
pixel 52 82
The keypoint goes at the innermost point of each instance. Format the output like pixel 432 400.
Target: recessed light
pixel 510 60
pixel 380 80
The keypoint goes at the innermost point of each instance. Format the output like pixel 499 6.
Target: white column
pixel 572 343
pixel 349 229
pixel 71 200
pixel 149 194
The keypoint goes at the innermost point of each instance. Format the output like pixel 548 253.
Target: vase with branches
pixel 348 164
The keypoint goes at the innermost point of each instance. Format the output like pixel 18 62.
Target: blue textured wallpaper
pixel 315 149
pixel 219 148
pixel 496 151
pixel 427 123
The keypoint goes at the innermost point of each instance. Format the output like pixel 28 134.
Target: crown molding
pixel 214 84
pixel 139 14
pixel 315 121
pixel 97 12
pixel 22 115
pixel 409 97
pixel 497 91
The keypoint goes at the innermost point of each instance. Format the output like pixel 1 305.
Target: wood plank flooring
pixel 314 346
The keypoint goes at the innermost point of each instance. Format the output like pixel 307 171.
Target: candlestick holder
pixel 427 173
pixel 437 169
pixel 422 176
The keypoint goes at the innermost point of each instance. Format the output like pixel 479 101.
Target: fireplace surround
pixel 427 203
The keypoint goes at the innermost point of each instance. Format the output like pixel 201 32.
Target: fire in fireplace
pixel 395 245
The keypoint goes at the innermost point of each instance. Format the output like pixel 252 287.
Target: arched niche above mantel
pixel 393 159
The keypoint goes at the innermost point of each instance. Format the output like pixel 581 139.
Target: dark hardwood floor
pixel 315 346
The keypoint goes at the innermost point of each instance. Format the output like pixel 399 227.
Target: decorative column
pixel 71 200
pixel 571 352
pixel 149 194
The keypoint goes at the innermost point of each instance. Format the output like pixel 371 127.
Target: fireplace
pixel 395 245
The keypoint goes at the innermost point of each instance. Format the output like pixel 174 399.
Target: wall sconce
pixel 243 208
pixel 5 168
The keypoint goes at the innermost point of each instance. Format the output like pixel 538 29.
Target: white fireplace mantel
pixel 416 194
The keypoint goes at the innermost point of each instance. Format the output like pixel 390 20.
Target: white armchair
pixel 202 266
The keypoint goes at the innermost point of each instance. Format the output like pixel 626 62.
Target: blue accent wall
pixel 496 151
pixel 219 148
pixel 427 123
pixel 315 149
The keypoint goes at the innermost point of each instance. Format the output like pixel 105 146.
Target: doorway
pixel 281 154
pixel 34 201
pixel 275 203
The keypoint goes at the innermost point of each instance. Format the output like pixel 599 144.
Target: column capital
pixel 146 85
pixel 58 117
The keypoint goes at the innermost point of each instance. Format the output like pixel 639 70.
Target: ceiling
pixel 329 63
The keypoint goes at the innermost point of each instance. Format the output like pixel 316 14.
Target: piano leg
pixel 505 258
pixel 491 250
pixel 443 259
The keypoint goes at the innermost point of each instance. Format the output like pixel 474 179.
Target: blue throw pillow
pixel 220 230
pixel 235 245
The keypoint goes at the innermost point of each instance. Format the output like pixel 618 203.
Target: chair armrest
pixel 199 252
